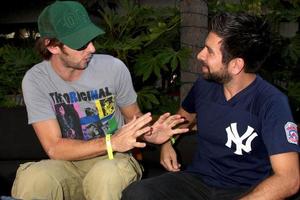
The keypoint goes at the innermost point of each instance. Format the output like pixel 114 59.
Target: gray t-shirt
pixel 86 108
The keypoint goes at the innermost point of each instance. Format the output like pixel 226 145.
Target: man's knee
pixel 123 170
pixel 45 180
pixel 34 182
pixel 108 174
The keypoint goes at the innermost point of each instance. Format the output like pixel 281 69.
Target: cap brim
pixel 82 37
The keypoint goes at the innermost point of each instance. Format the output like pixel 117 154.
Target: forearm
pixel 276 187
pixel 190 121
pixel 70 149
pixel 56 147
pixel 130 111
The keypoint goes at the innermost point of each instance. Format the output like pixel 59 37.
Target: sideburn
pixel 62 48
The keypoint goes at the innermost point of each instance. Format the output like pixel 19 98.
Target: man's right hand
pixel 168 157
pixel 125 138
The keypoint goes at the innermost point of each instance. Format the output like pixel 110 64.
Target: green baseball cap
pixel 68 21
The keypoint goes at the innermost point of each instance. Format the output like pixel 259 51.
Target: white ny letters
pixel 233 136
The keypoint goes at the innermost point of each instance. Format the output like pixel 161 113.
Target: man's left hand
pixel 162 129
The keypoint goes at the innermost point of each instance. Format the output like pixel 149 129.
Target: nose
pixel 201 54
pixel 91 47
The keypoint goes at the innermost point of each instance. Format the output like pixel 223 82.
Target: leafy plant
pixel 291 50
pixel 14 62
pixel 147 97
pixel 147 40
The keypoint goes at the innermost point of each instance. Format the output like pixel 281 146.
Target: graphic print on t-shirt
pixel 233 137
pixel 69 121
pixel 85 115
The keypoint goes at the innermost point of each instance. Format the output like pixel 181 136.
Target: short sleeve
pixel 278 128
pixel 37 103
pixel 125 93
pixel 188 104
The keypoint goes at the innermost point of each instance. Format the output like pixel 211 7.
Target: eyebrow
pixel 209 49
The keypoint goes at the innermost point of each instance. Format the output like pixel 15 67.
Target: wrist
pixel 167 143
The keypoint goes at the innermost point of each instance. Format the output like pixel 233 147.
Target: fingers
pixel 149 133
pixel 166 163
pixel 129 124
pixel 126 137
pixel 175 121
pixel 138 123
pixel 171 118
pixel 175 166
pixel 168 158
pixel 142 131
pixel 163 117
pixel 180 131
pixel 171 164
pixel 139 144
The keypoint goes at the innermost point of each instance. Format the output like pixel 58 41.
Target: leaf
pixel 147 98
pixel 15 62
pixel 292 50
pixel 146 65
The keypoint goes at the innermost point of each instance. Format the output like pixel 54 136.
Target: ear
pixel 52 49
pixel 236 65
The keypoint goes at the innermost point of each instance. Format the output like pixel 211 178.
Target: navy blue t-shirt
pixel 236 137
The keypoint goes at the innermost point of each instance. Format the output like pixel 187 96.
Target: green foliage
pixel 169 104
pixel 273 9
pixel 153 61
pixel 291 50
pixel 252 6
pixel 14 62
pixel 147 40
pixel 147 97
pixel 294 90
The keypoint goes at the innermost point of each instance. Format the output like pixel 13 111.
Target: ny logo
pixel 233 136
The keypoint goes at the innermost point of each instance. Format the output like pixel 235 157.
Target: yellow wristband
pixel 172 140
pixel 108 147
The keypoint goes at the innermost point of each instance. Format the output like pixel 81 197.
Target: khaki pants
pixel 97 178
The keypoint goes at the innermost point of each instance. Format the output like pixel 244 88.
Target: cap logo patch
pixel 291 132
pixel 74 19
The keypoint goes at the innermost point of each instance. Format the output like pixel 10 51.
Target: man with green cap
pixel 78 103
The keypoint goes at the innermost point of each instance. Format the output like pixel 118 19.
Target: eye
pixel 210 51
pixel 85 46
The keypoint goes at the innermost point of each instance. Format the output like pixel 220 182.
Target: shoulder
pixel 270 99
pixel 111 67
pixel 107 67
pixel 205 87
pixel 37 73
pixel 266 92
pixel 107 61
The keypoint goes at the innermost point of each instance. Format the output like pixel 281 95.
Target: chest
pixel 224 124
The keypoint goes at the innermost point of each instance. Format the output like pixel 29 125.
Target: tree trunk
pixel 194 14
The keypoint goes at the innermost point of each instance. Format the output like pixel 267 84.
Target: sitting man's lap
pixel 87 179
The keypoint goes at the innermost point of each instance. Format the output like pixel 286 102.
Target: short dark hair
pixel 41 47
pixel 243 36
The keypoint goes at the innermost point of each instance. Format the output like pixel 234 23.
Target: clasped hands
pixel 129 136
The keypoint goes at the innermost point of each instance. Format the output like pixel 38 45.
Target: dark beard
pixel 223 78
